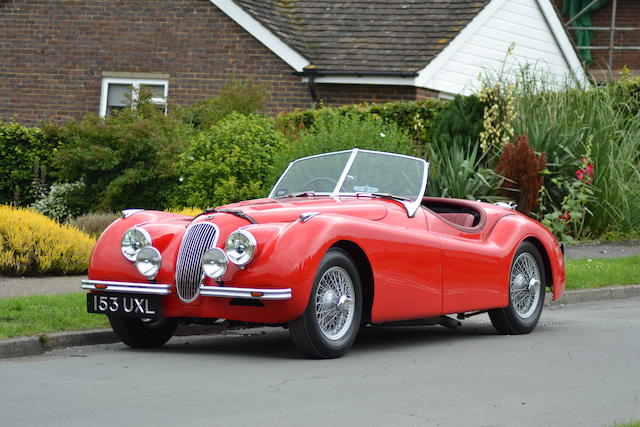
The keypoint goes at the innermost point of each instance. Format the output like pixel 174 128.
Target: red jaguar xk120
pixel 344 239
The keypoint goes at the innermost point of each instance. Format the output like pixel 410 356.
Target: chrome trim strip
pixel 224 292
pixel 345 171
pixel 136 288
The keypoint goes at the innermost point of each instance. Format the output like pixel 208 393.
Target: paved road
pixel 580 367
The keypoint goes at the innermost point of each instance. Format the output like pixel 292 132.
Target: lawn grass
pixel 599 272
pixel 41 314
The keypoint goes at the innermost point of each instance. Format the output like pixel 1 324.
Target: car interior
pixel 462 214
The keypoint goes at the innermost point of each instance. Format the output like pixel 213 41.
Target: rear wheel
pixel 143 333
pixel 526 293
pixel 330 323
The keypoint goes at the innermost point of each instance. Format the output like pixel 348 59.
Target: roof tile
pixel 357 35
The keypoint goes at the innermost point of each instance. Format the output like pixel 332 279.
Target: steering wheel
pixel 308 186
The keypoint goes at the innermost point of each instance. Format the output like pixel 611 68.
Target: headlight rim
pixel 253 242
pixel 226 263
pixel 159 265
pixel 145 234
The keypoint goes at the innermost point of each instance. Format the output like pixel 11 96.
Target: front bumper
pixel 206 291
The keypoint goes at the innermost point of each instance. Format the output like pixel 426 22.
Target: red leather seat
pixel 459 218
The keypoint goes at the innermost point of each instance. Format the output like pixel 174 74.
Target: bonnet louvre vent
pixel 198 239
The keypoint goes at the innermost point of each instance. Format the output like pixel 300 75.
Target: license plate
pixel 125 305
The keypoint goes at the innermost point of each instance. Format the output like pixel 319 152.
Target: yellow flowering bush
pixel 32 244
pixel 186 211
pixel 499 114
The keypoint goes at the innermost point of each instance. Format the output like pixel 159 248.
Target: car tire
pixel 143 333
pixel 527 283
pixel 331 321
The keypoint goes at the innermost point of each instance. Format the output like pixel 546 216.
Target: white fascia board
pixel 364 80
pixel 262 34
pixel 566 46
pixel 434 66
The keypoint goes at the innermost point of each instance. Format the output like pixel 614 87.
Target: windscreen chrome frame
pixel 410 206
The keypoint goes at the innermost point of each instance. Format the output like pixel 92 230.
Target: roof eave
pixel 265 36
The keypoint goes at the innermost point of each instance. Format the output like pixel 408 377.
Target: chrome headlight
pixel 214 263
pixel 148 262
pixel 240 247
pixel 132 241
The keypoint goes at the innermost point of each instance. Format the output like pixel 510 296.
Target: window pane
pixel 117 95
pixel 157 91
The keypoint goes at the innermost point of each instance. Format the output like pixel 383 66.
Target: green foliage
pixel 231 161
pixel 456 170
pixel 25 156
pixel 413 118
pixel 460 120
pixel 567 221
pixel 563 124
pixel 125 160
pixel 335 132
pixel 244 97
pixel 63 201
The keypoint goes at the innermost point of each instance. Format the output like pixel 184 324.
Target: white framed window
pixel 118 92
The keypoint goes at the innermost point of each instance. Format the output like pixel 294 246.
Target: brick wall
pixel 628 15
pixel 53 54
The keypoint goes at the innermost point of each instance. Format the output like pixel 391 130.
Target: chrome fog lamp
pixel 132 241
pixel 214 263
pixel 240 247
pixel 148 262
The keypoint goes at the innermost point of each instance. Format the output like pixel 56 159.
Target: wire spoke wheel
pixel 527 283
pixel 334 303
pixel 525 286
pixel 331 320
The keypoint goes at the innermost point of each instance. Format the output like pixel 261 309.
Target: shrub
pixel 457 170
pixel 125 160
pixel 564 123
pixel 187 211
pixel 522 168
pixel 460 121
pixel 231 161
pixel 335 132
pixel 32 244
pixel 25 162
pixel 63 201
pixel 244 97
pixel 415 118
pixel 94 223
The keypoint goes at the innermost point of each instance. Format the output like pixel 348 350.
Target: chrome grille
pixel 197 240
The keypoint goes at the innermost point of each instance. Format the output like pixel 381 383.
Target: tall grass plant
pixel 568 123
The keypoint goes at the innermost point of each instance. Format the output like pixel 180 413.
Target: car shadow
pixel 275 342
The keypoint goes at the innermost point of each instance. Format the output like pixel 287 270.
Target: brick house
pixel 61 59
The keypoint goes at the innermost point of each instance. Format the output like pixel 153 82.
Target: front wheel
pixel 526 293
pixel 143 333
pixel 330 323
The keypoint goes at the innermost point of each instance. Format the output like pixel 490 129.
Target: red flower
pixel 583 160
pixel 579 174
pixel 589 170
pixel 566 216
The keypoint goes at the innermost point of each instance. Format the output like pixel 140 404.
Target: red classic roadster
pixel 344 239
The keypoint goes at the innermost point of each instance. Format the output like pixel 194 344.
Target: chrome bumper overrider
pixel 136 288
pixel 252 293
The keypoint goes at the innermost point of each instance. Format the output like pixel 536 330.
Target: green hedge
pixel 26 153
pixel 415 118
